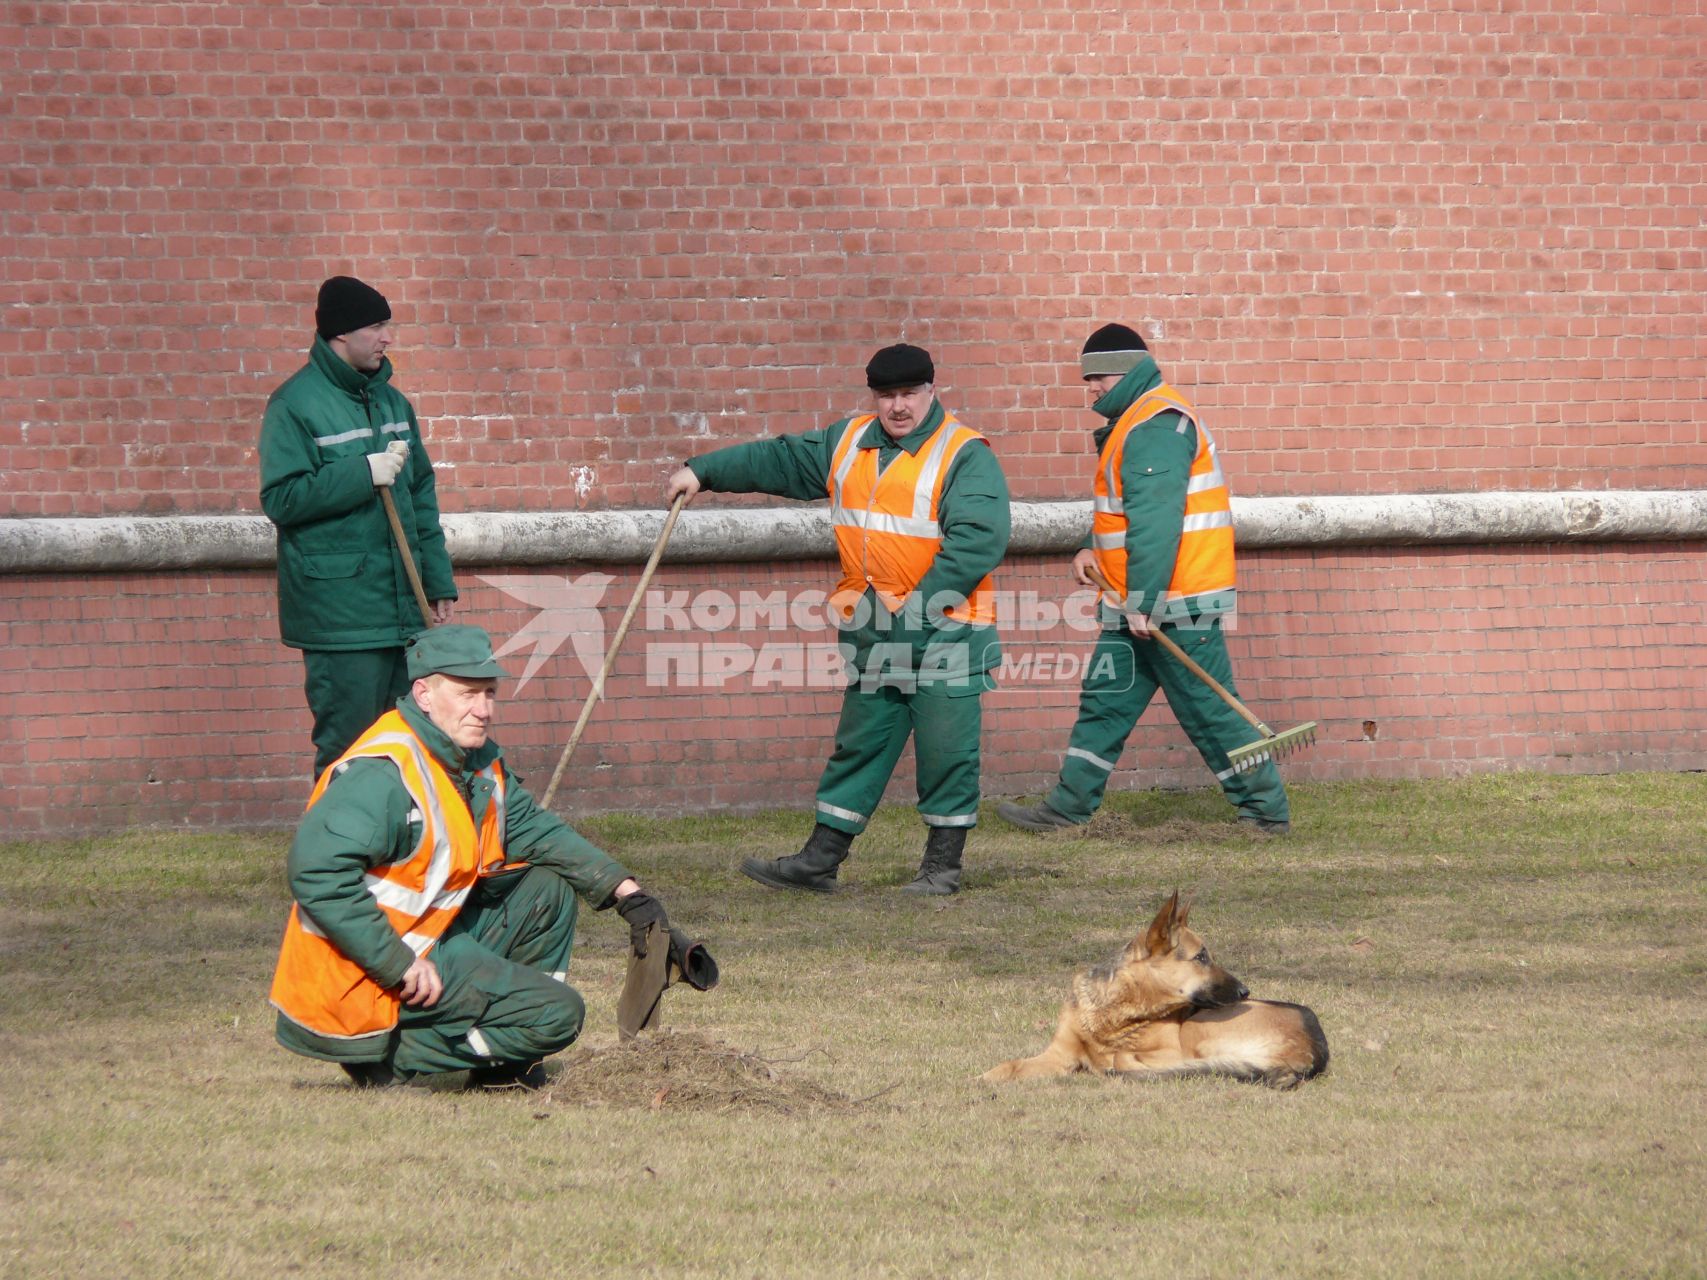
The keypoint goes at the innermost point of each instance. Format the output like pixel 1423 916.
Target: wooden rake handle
pixel 1191 666
pixel 390 505
pixel 1185 659
pixel 598 689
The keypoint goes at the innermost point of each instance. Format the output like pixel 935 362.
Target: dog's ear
pixel 1163 934
pixel 1183 911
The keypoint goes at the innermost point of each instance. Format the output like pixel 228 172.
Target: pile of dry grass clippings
pixel 683 1070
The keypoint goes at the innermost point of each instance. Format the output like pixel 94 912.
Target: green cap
pixel 455 649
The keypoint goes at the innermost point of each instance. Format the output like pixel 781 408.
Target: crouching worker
pixel 435 900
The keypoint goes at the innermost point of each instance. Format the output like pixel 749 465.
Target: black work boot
pixel 814 867
pixel 939 873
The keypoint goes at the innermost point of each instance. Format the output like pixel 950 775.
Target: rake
pixel 598 690
pixel 1249 756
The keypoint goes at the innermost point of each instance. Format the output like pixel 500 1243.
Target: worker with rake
pixel 436 903
pixel 919 507
pixel 1162 550
pixel 341 455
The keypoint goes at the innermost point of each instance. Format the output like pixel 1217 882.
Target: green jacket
pixel 342 584
pixel 973 516
pixel 362 820
pixel 1154 472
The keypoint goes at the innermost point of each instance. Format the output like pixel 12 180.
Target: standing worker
pixel 920 510
pixel 335 433
pixel 1162 538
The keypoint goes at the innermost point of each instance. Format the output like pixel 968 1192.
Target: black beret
pixel 899 366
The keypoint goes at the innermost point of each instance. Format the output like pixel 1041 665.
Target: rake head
pixel 1249 757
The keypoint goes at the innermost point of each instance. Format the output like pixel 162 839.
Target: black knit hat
pixel 899 366
pixel 1111 349
pixel 346 304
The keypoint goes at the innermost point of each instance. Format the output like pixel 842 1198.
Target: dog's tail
pixel 1318 1046
pixel 1307 1056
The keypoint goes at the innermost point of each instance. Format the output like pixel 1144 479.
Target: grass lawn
pixel 1509 970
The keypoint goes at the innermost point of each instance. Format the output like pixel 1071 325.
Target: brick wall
pixel 152 700
pixel 1389 249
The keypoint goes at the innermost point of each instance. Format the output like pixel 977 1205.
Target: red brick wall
pixel 153 700
pixel 1388 249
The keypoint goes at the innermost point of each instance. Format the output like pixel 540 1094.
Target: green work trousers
pixel 348 689
pixel 503 962
pixel 873 729
pixel 1123 676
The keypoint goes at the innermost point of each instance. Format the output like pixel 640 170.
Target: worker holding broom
pixel 336 440
pixel 1162 547
pixel 435 902
pixel 919 507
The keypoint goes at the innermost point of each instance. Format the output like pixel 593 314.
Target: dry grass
pixel 1509 971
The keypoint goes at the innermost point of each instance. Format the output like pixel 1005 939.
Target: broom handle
pixel 408 559
pixel 1185 659
pixel 610 654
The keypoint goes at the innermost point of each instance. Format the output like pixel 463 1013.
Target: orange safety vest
pixel 315 984
pixel 1205 560
pixel 886 523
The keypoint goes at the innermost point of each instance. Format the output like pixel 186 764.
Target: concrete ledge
pixel 709 533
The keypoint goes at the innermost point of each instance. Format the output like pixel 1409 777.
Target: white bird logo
pixel 568 610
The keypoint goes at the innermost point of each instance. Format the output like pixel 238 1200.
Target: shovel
pixel 610 654
pixel 670 958
pixel 1270 745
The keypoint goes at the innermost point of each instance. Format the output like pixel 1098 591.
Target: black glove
pixel 641 910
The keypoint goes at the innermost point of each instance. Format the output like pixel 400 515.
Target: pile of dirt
pixel 685 1071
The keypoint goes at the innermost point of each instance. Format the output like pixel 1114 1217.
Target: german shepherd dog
pixel 1164 1008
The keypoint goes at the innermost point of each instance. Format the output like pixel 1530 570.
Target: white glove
pixel 385 466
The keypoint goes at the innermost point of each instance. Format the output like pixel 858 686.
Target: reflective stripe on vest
pixel 886 525
pixel 1204 562
pixel 315 984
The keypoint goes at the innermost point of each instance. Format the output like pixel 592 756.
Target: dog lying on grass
pixel 1164 1008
